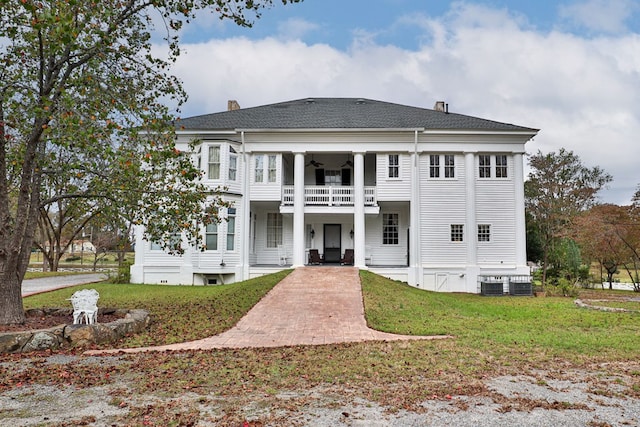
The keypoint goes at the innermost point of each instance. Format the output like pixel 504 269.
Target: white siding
pixel 265 191
pixel 495 205
pixel 393 189
pixel 387 254
pixel 442 203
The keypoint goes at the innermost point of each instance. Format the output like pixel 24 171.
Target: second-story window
pixel 484 166
pixel 442 166
pixel 266 168
pixel 434 166
pixel 394 166
pixel 449 166
pixel 501 166
pixel 272 168
pixel 214 162
pixel 233 164
pixel 457 232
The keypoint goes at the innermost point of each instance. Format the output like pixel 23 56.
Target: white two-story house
pixel 432 198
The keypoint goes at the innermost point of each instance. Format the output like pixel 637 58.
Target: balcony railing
pixel 328 196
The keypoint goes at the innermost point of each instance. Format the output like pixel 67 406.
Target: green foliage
pixel 87 119
pixel 558 188
pixel 123 274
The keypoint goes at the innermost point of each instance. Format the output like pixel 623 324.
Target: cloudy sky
pixel 569 67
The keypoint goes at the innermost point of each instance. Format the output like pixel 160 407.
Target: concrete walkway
pixel 311 306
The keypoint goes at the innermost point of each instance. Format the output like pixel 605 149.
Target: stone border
pixel 134 321
pixel 582 304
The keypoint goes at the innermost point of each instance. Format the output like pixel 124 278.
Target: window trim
pixel 393 167
pixel 443 168
pixel 231 229
pixel 208 232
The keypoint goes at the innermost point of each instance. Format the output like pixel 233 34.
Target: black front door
pixel 332 248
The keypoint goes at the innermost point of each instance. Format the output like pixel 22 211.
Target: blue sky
pixel 570 68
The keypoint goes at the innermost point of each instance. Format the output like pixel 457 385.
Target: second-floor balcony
pixel 321 195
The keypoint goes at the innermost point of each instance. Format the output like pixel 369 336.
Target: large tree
pixel 81 79
pixel 558 188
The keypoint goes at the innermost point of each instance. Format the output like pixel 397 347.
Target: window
pixel 174 243
pixel 442 166
pixel 272 168
pixel 484 162
pixel 484 232
pixel 434 166
pixel 501 166
pixel 214 162
pixel 231 228
pixel 332 177
pixel 259 170
pixel 449 166
pixel 390 229
pixel 457 232
pixel 211 237
pixel 394 166
pixel 233 164
pixel 270 165
pixel 274 230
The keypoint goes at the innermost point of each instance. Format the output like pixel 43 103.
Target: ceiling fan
pixel 348 162
pixel 314 163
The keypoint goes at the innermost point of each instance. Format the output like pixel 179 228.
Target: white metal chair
pixel 85 306
pixel 282 255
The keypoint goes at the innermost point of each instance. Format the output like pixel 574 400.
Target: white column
pixel 246 218
pixel 298 210
pixel 358 210
pixel 414 223
pixel 471 227
pixel 521 228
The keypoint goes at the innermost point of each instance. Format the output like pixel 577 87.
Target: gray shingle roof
pixel 340 113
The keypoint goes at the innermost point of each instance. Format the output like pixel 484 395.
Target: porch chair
pixel 315 257
pixel 282 255
pixel 85 306
pixel 347 258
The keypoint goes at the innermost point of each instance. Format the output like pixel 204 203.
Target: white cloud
pixel 296 29
pixel 581 93
pixel 606 16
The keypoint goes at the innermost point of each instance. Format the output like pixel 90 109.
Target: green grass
pixel 180 313
pixel 521 326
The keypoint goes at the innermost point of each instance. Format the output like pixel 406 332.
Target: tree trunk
pixel 11 309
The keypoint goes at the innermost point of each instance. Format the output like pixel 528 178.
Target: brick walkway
pixel 311 306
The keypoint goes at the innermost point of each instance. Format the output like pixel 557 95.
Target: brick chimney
pixel 232 104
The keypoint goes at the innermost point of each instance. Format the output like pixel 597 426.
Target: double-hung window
pixel 393 166
pixel 442 166
pixel 449 166
pixel 266 168
pixel 231 228
pixel 233 164
pixel 214 162
pixel 434 166
pixel 484 166
pixel 274 229
pixel 501 166
pixel 390 232
pixel 211 237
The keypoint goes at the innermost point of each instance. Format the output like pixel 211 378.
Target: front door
pixel 332 248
